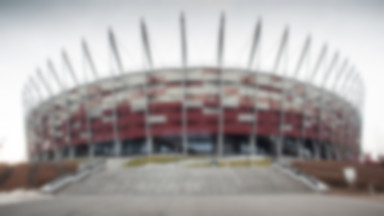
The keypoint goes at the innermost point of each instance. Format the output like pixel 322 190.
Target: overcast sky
pixel 32 31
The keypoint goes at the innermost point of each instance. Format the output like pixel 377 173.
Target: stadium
pixel 197 110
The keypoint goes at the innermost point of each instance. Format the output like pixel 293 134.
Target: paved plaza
pixel 169 180
pixel 276 205
pixel 177 190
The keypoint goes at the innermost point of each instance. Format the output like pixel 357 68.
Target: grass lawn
pixel 235 163
pixel 158 159
pixel 164 159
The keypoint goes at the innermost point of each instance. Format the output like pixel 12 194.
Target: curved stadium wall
pixel 201 110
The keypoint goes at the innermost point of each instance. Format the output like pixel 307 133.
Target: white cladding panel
pixel 107 118
pixel 138 105
pixel 156 119
pixel 231 102
pixel 136 79
pixel 245 118
pixel 232 76
pixel 263 105
pixel 173 76
pixel 210 111
pixel 194 103
pixel 263 79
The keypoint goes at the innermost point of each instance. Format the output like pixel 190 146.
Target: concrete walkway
pixel 177 190
pixel 276 205
pixel 172 180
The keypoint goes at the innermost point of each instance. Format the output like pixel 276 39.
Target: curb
pixel 310 181
pixel 58 184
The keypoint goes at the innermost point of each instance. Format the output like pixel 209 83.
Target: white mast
pixel 254 48
pixel 281 51
pixel 120 68
pixel 184 61
pixel 147 51
pixel 220 53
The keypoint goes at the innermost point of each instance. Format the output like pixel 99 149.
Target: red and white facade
pixel 176 110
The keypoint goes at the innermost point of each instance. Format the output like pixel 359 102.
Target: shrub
pixel 29 176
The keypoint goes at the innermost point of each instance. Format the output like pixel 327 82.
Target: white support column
pixel 39 126
pixel 120 68
pixel 329 152
pixel 254 48
pixel 51 114
pixel 342 89
pixel 220 52
pixel 354 91
pixel 306 99
pixel 322 101
pixel 281 139
pixel 51 68
pixel 45 156
pixel 317 147
pixel 71 152
pixel 184 114
pixel 304 56
pixel 145 43
pixel 340 122
pixel 70 146
pixel 281 51
pixel 27 103
pixel 85 97
pixel 360 122
pixel 304 124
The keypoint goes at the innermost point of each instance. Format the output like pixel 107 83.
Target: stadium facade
pixel 197 110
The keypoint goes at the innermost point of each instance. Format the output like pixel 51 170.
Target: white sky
pixel 32 31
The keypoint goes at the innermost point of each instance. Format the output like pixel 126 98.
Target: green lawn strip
pixel 140 161
pixel 233 163
pixel 244 163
